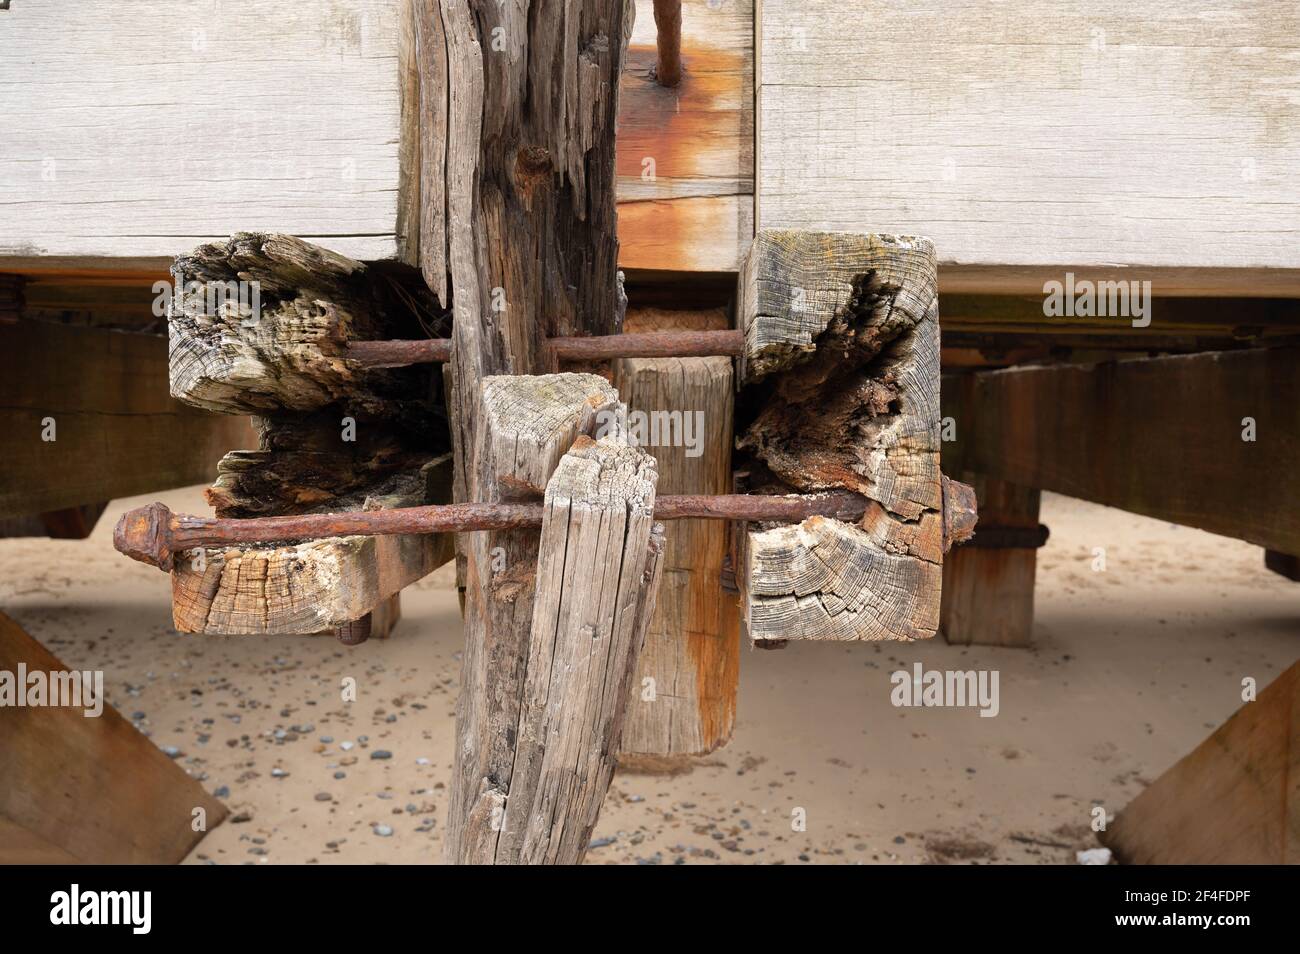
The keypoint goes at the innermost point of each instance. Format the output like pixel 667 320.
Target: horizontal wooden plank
pixel 128 141
pixel 137 131
pixel 1026 137
pixel 686 154
pixel 117 431
pixel 1166 437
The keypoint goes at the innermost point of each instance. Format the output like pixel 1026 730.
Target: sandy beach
pixel 1133 666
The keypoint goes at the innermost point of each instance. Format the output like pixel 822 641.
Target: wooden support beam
pixel 683 699
pixel 79 790
pixel 841 378
pixel 1235 800
pixel 529 224
pixel 320 585
pixel 597 578
pixel 1206 440
pixel 988 591
pixel 980 169
pixel 1284 564
pixel 102 397
pixel 525 425
pixel 260 323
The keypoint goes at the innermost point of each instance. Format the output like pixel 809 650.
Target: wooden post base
pixel 988 591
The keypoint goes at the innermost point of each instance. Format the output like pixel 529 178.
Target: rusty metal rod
pixel 649 344
pixel 668 27
pixel 153 534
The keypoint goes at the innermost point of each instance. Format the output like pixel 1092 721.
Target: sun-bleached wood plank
pixel 138 130
pixel 1028 137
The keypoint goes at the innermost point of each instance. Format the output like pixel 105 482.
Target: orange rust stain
pixel 694 129
pixel 690 234
pixel 701 130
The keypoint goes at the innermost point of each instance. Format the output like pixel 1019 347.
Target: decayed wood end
pixel 683 699
pixel 303 588
pixel 841 368
pixel 301 465
pixel 524 425
pixel 1234 800
pixel 597 577
pixel 277 342
pixel 77 790
pixel 532 420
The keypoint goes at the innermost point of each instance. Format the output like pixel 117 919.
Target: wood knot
pixel 533 167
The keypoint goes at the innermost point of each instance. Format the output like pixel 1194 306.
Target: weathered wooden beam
pixel 1283 564
pixel 1206 440
pixel 597 578
pixel 1235 800
pixel 841 371
pixel 80 790
pixel 323 585
pixel 988 591
pixel 88 418
pixel 366 145
pixel 260 324
pixel 980 170
pixel 683 699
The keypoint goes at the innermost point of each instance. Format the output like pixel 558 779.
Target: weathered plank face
pixel 841 390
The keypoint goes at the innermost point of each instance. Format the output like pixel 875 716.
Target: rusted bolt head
pixel 144 534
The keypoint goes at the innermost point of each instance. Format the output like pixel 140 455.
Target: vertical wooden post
pixel 517 150
pixel 692 651
pixel 988 591
pixel 597 577
pixel 525 426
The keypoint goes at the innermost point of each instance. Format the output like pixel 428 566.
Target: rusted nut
pixel 145 534
pixel 960 512
pixel 355 632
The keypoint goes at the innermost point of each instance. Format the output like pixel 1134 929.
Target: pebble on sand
pixel 383 831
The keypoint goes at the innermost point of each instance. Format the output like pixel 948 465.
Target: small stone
pixel 279 773
pixel 327 739
pixel 346 746
pixel 602 842
pixel 171 752
pixel 383 831
pixel 222 791
pixel 340 774
pixel 381 754
pixel 324 797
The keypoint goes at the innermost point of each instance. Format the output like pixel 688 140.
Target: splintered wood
pixel 841 388
pixel 597 577
pixel 260 324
